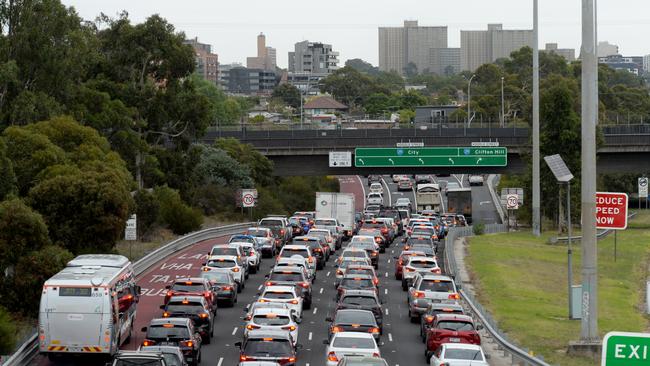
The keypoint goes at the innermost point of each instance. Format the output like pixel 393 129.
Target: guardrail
pixel 29 350
pixel 518 355
pixel 492 181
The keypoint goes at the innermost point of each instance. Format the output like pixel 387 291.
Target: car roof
pixel 357 275
pixel 269 310
pixel 354 311
pixel 475 347
pixel 224 257
pixel 367 293
pixel 200 299
pixel 295 246
pixel 460 317
pixel 421 258
pixel 148 355
pixel 160 349
pixel 262 333
pixel 437 277
pixel 175 321
pixel 442 306
pixel 288 269
pixel 279 288
pixel 354 335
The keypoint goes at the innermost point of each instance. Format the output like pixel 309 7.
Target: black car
pixel 194 308
pixel 355 282
pixel 427 319
pixel 295 276
pixel 175 332
pixel 223 285
pixel 314 244
pixel 374 179
pixel 351 320
pixel 393 213
pixel 268 345
pixel 363 300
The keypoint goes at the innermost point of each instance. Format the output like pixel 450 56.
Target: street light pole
pixel 503 116
pixel 536 162
pixel 469 99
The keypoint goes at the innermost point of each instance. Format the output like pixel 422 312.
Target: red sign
pixel 611 210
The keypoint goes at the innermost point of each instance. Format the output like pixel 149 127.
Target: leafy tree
pixel 391 81
pixel 261 168
pixel 147 209
pixel 348 85
pixel 21 231
pixel 288 93
pixel 362 66
pixel 410 70
pixel 7 332
pixel 7 175
pixel 217 167
pixel 178 216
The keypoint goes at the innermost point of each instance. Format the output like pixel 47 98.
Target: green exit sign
pixel 626 349
pixel 430 157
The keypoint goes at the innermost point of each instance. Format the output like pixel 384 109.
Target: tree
pixel 217 167
pixel 260 167
pixel 287 93
pixel 180 218
pixel 147 210
pixel 348 86
pixel 21 231
pixel 8 332
pixel 410 70
pixel 362 66
pixel 7 175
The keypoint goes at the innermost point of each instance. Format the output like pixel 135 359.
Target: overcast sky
pixel 351 25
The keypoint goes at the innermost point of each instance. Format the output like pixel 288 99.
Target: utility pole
pixel 536 185
pixel 503 116
pixel 589 325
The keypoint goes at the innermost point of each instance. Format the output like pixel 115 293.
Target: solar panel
pixel 559 168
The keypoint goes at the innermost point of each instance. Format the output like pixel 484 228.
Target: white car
pixel 274 319
pixel 327 235
pixel 227 263
pixel 363 239
pixel 418 264
pixel 251 255
pixel 398 177
pixel 297 261
pixel 291 250
pixel 350 344
pixel 283 294
pixel 475 180
pixel 344 263
pixel 375 199
pixel 457 354
pixel 376 188
pixel 403 202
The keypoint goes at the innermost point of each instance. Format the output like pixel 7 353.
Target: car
pixel 418 265
pixel 258 363
pixel 280 227
pixel 406 215
pixel 291 250
pixel 364 300
pixel 353 253
pixel 297 261
pixel 371 249
pixel 128 358
pixel 374 179
pixel 178 332
pixel 404 202
pixel 376 188
pixel 430 288
pixel 243 238
pixel 405 185
pixel 381 225
pixel 249 309
pixel 231 250
pixel 223 286
pixel 375 199
pixel 291 276
pixel 433 309
pixel 192 286
pixel 402 259
pixel 423 178
pixel 345 262
pixel 283 294
pixel 350 343
pixel 380 239
pixel 391 224
pixel 265 239
pixel 195 308
pixel 172 355
pixel 299 225
pixel 451 328
pixel 350 320
pixel 362 361
pixel 362 269
pixel 451 186
pixel 327 236
pixel 475 180
pixel 373 208
pixel 227 263
pixel 397 177
pixel 315 244
pixel 250 255
pixel 273 319
pixel 355 282
pixel 429 250
pixel 333 226
pixel 310 215
pixel 268 345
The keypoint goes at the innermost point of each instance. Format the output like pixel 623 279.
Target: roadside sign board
pixel 340 159
pixel 625 349
pixel 512 202
pixel 248 197
pixel 131 229
pixel 430 157
pixel 506 191
pixel 643 187
pixel 611 210
pixel 410 144
pixel 485 144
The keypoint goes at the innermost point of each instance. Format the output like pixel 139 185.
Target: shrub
pixel 174 213
pixel 213 199
pixel 478 229
pixel 22 230
pixel 7 333
pixel 147 209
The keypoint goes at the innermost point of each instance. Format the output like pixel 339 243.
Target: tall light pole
pixel 536 176
pixel 503 116
pixel 469 98
pixel 589 325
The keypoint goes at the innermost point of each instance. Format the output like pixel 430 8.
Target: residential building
pixel 313 57
pixel 266 56
pixel 481 47
pixel 429 114
pixel 444 61
pixel 569 54
pixel 607 49
pixel 224 73
pixel 399 46
pixel 243 80
pixel 307 82
pixel 633 64
pixel 646 64
pixel 207 63
pixel 323 108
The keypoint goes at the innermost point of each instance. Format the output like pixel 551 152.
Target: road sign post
pixel 625 349
pixel 643 190
pixel 611 210
pixel 340 159
pixel 248 197
pixel 431 157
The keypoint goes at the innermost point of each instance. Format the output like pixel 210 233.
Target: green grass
pixel 522 281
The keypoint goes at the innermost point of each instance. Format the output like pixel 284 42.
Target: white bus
pixel 88 307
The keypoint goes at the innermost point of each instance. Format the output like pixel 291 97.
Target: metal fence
pixel 29 350
pixel 518 355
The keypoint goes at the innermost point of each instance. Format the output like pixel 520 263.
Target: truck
pixel 340 206
pixel 459 201
pixel 427 197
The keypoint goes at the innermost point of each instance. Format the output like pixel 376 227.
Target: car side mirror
pixel 326 342
pixel 238 344
pixel 204 264
pixel 396 257
pixel 246 308
pixel 143 329
pixel 138 290
pixel 259 293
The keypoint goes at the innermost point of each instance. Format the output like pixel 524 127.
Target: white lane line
pixel 386 311
pixel 315 310
pixel 363 189
pixel 321 291
pixel 234 331
pixel 259 288
pixel 310 336
pixel 390 200
pixel 392 252
pixel 386 291
pixel 390 337
pixel 389 261
pixel 328 274
pixel 386 274
pixel 307 364
pixel 220 361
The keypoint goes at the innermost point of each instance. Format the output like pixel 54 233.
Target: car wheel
pixel 404 285
pixel 238 288
pixel 427 355
pixel 306 304
pixel 206 339
pixel 398 277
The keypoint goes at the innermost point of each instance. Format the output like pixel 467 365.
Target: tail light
pixel 375 355
pixel 332 357
pixel 476 338
pixel 226 288
pixel 165 315
pixel 454 297
pixel 373 330
pixel 207 294
pixel 204 315
pixel 147 343
pixel 290 328
pixel 336 330
pixel 243 358
pixel 304 284
pixel 339 272
pixel 436 270
pixel 262 300
pixel 187 343
pixel 400 262
pixel 295 302
pixel 251 327
pixel 170 293
pixel 373 254
pixel 329 240
pixel 428 319
pixel 384 230
pixel 419 294
pixel 410 269
pixel 311 259
pixel 318 250
pixel 282 231
pixel 377 240
pixel 375 281
pixel 235 269
pixel 269 283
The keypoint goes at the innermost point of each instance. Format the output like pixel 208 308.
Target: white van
pixel 88 307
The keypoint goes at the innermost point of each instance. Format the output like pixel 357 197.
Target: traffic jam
pixel 311 289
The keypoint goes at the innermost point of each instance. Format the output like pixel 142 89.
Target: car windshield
pixel 354 317
pixel 356 283
pixel 463 354
pixel 257 233
pixel 427 249
pixel 188 287
pixel 140 361
pixel 419 240
pixel 271 319
pixel 278 295
pixel 350 342
pixel 271 223
pixel 359 300
pixel 288 252
pixel 171 360
pixel 325 222
pixel 286 276
pixel 216 277
pixel 221 263
pixel 180 308
pixel 363 271
pixel 354 254
pixel 242 239
pixel 364 246
pixel 437 286
pixel 270 347
pixel 224 251
pixel 457 326
pixel 357 239
pixel 170 331
pixel 366 362
pixel 419 263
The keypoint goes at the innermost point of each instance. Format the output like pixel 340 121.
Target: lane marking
pixel 363 189
pixel 390 337
pixel 310 336
pixel 220 361
pixel 389 261
pixel 386 274
pixel 328 274
pixel 392 251
pixel 315 310
pixel 259 288
pixel 386 311
pixel 321 290
pixel 234 331
pixel 390 199
pixel 386 291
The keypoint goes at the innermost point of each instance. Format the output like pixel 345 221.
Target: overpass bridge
pixel 625 149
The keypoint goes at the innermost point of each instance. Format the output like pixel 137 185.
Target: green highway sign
pixel 366 157
pixel 626 349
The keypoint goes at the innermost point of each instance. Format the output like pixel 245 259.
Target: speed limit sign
pixel 248 197
pixel 512 202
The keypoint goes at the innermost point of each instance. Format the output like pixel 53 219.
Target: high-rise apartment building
pixel 313 57
pixel 481 47
pixel 399 46
pixel 444 61
pixel 207 63
pixel 646 63
pixel 266 56
pixel 607 49
pixel 569 54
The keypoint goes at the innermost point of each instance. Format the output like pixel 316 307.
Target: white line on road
pixel 234 331
pixel 390 199
pixel 386 311
pixel 259 288
pixel 386 275
pixel 386 291
pixel 390 337
pixel 363 189
pixel 321 291
pixel 389 261
pixel 220 361
pixel 309 336
pixel 315 310
pixel 328 274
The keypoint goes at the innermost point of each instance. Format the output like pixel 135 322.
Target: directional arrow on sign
pixel 479 160
pixel 451 161
pixel 361 161
pixel 391 161
pixel 421 161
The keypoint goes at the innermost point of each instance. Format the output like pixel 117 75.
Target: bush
pixel 213 199
pixel 22 230
pixel 478 229
pixel 147 209
pixel 174 213
pixel 7 333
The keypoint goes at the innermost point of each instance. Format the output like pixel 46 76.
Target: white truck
pixel 340 206
pixel 428 197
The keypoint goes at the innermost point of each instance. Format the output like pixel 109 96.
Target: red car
pixel 451 328
pixel 192 287
pixel 401 260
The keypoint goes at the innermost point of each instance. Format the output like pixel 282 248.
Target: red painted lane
pixel 354 184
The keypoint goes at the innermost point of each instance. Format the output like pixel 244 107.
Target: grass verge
pixel 522 281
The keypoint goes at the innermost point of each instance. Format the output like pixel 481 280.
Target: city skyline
pixel 354 32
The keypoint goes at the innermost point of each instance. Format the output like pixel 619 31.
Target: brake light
pixel 311 259
pixel 165 315
pixel 336 330
pixel 226 288
pixel 282 231
pixel 148 343
pixel 207 294
pixel 269 283
pixel 454 297
pixel 295 302
pixel 251 327
pixel 290 359
pixel 376 281
pixel 373 330
pixel 235 269
pixel 384 230
pixel 245 358
pixel 378 240
pixel 262 300
pixel 339 272
pixel 436 270
pixel 304 285
pixel 318 250
pixel 410 269
pixel 332 357
pixel 428 319
pixel 169 293
pixel 419 294
pixel 373 254
pixel 400 262
pixel 375 354
pixel 290 328
pixel 187 343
